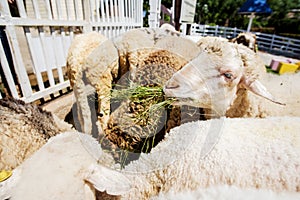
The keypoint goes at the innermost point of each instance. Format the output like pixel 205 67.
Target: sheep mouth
pixel 181 100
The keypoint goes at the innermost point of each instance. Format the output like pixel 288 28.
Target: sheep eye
pixel 228 75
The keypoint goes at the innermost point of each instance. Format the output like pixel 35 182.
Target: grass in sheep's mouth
pixel 145 95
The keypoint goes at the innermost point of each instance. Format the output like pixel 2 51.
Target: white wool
pixel 65 168
pixel 242 153
pixel 247 153
pixel 91 58
pixel 226 192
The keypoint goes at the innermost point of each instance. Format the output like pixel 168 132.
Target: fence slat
pixel 7 72
pixel 18 61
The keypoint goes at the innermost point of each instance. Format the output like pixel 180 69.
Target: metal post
pixel 250 22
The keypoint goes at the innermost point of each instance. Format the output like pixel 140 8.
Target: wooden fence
pixel 267 42
pixel 36 35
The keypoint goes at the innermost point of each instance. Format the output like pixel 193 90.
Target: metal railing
pixel 267 42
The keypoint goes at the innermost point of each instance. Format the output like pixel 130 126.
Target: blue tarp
pixel 255 6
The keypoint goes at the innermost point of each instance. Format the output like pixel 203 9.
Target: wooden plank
pixel 4 8
pixel 47 91
pixel 7 73
pixel 18 61
pixel 21 9
pixel 35 58
pixel 48 52
pixel 107 12
pixel 112 13
pixel 36 9
pixel 78 9
pixel 70 9
pixel 116 11
pixel 92 9
pixel 97 11
pixel 40 22
pixel 102 11
pixel 48 8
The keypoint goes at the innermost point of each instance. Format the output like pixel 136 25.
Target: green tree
pixel 285 17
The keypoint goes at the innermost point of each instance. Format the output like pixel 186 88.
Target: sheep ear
pixel 104 179
pixel 259 89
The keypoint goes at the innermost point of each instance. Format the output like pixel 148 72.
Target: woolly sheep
pixel 92 57
pixel 167 26
pixel 150 56
pixel 64 168
pixel 212 80
pixel 248 39
pixel 248 153
pixel 24 129
pixel 93 60
pixel 245 153
pixel 227 192
pixel 135 46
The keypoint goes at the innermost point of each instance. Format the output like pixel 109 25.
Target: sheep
pixel 135 46
pixel 92 57
pixel 150 56
pixel 24 129
pixel 216 77
pixel 167 26
pixel 248 39
pixel 247 153
pixel 250 154
pixel 227 192
pixel 64 168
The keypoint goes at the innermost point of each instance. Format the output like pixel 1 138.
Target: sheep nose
pixel 171 85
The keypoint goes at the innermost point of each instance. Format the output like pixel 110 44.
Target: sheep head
pixel 212 79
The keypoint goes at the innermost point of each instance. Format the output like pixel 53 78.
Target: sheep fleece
pixel 248 153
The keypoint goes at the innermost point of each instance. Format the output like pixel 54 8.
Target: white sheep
pixel 65 168
pixel 167 26
pixel 91 58
pixel 148 55
pixel 24 128
pixel 93 61
pixel 137 45
pixel 223 192
pixel 244 153
pixel 216 76
pixel 248 39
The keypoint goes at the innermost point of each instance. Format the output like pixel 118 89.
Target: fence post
pixel 154 13
pixel 271 45
pixel 216 30
pixel 234 32
pixel 87 17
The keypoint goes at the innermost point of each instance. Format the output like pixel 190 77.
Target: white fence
pixel 267 42
pixel 39 32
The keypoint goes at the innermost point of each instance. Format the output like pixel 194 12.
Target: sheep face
pixel 247 39
pixel 211 80
pixel 208 81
